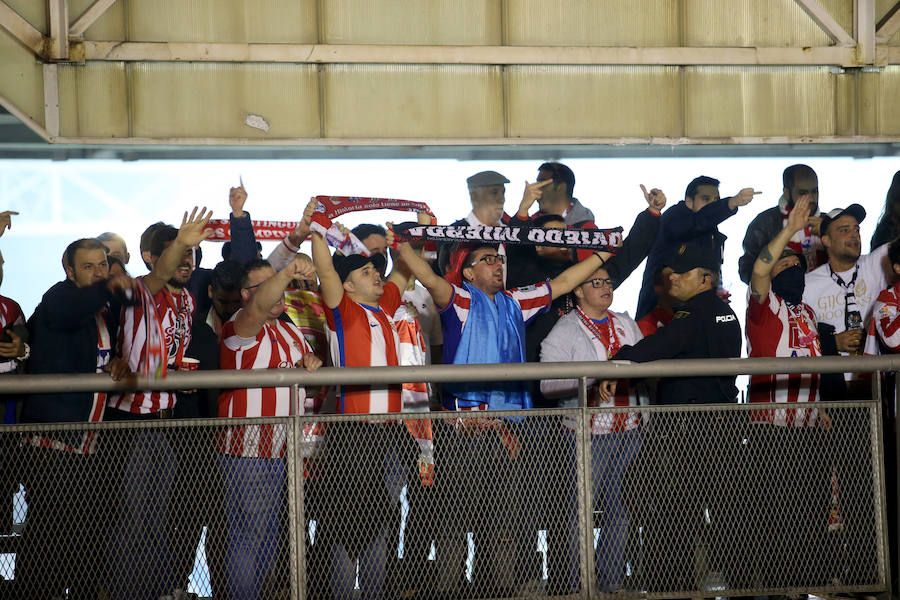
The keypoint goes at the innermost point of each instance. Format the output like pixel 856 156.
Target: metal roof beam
pixel 58 46
pixel 826 22
pixel 89 17
pixel 476 55
pixel 888 26
pixel 23 31
pixel 864 30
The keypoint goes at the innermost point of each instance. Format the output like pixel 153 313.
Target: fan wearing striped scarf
pixel 154 333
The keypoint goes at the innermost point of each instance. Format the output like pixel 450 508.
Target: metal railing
pixel 673 502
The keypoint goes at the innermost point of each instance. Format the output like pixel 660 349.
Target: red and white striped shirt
pixel 278 345
pixel 886 317
pixel 175 313
pixel 776 330
pixel 532 300
pixel 366 336
pixel 412 351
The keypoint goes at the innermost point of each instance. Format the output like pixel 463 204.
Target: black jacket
pixel 703 327
pixel 63 332
pixel 527 268
pixel 678 225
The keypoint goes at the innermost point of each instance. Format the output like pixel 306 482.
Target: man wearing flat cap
pixel 683 474
pixel 487 192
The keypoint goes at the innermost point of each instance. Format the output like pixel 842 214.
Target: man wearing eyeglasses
pixel 588 333
pixel 483 324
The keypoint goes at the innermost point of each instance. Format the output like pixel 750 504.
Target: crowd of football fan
pixel 811 293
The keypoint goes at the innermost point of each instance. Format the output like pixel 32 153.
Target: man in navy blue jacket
pixel 73 330
pixel 695 218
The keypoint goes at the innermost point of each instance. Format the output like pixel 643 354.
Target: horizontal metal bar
pixel 32 384
pixel 484 142
pixel 463 55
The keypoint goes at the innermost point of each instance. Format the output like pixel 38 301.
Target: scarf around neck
pixel 494 333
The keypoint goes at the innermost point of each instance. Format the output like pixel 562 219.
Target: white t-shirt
pixel 828 299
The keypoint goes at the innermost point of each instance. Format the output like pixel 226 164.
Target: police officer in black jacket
pixel 684 496
pixel 703 326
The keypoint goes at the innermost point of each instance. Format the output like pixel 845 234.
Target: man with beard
pixel 786 444
pixel 695 219
pixel 798 180
pixel 843 290
pixel 163 316
pixel 485 323
pixel 843 293
pixel 73 330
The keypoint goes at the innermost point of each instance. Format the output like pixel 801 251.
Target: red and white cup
pixel 189 364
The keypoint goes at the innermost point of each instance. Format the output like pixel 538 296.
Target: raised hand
pixel 655 198
pixel 533 192
pixel 301 267
pixel 742 198
pixel 236 198
pixel 310 362
pixel 191 232
pixel 799 216
pixel 6 220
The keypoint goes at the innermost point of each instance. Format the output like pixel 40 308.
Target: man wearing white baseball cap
pixel 843 290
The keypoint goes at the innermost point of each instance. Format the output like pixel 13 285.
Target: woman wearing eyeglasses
pixel 593 332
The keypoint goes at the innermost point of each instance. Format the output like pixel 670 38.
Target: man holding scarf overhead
pixel 483 324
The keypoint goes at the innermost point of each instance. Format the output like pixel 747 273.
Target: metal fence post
pixel 296 514
pixel 582 392
pixel 586 531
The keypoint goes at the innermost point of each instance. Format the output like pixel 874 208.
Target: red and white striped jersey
pixel 532 299
pixel 886 317
pixel 175 313
pixel 10 314
pixel 774 329
pixel 278 345
pixel 366 336
pixel 87 441
pixel 412 351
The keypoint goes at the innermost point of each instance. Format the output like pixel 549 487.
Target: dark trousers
pixel 62 546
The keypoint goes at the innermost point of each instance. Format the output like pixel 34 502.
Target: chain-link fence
pixel 655 501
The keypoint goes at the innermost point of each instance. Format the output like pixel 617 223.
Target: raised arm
pixel 569 279
pixel 441 291
pixel 532 193
pixel 687 224
pixel 330 283
pixel 251 319
pixel 189 234
pixel 243 238
pixel 761 279
pixel 636 246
